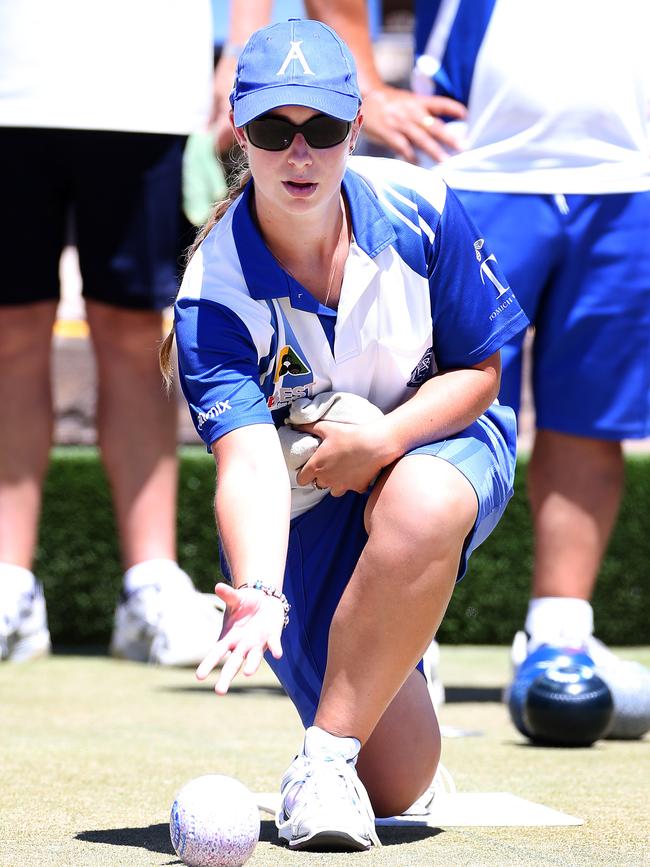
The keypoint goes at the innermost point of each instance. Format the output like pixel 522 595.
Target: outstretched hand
pixel 253 623
pixel 407 122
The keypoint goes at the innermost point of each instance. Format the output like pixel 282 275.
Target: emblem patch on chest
pixel 290 364
pixel 422 370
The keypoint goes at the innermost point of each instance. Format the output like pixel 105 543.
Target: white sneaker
pixel 431 663
pixel 324 803
pixel 24 634
pixel 441 786
pixel 167 624
pixel 628 682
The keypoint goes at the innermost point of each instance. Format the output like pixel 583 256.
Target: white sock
pixel 321 742
pixel 15 581
pixel 159 574
pixel 559 620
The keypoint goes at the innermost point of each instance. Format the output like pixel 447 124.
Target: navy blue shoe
pixel 557 698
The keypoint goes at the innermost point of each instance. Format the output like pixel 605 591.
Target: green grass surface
pixel 93 750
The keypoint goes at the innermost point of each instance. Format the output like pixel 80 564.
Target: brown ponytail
pixel 240 180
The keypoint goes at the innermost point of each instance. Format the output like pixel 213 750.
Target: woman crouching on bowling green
pixel 364 277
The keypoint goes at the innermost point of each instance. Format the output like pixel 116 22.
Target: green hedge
pixel 78 557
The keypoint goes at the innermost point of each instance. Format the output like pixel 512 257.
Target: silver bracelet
pixel 270 590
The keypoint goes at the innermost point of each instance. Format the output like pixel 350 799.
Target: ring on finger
pixel 427 120
pixel 316 486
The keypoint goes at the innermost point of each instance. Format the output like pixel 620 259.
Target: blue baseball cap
pixel 295 62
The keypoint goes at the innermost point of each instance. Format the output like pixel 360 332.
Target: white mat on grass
pixel 491 809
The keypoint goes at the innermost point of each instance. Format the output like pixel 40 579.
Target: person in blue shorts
pixel 553 162
pixel 363 278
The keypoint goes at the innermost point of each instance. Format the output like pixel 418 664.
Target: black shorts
pixel 123 192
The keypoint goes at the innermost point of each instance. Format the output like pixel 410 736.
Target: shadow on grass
pixel 81 650
pixel 155 838
pixel 462 694
pixel 235 689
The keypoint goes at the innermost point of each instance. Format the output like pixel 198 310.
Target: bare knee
pixel 424 503
pixel 120 335
pixel 26 333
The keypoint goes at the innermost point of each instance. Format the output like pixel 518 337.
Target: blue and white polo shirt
pixel 557 92
pixel 421 293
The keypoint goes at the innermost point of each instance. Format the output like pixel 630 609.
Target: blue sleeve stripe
pixel 457 55
pixel 423 226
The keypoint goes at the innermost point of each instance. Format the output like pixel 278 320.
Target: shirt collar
pixel 265 277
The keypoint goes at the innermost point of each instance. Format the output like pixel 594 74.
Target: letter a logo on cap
pixel 295 53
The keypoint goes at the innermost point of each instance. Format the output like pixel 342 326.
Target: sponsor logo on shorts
pixel 422 371
pixel 214 412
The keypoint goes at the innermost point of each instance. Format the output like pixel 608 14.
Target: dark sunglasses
pixel 272 133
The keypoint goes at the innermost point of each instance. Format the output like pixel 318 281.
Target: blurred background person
pixel 96 102
pixel 553 163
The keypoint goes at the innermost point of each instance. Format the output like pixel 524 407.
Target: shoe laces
pixel 327 780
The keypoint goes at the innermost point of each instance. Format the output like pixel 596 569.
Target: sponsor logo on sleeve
pixel 488 275
pixel 214 412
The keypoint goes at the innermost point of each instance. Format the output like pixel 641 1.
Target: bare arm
pixel 252 507
pixel 399 119
pixel 252 503
pixel 246 16
pixel 350 456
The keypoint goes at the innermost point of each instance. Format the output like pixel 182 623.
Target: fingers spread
pixel 275 645
pixel 212 660
pixel 227 593
pixel 253 661
pixel 230 668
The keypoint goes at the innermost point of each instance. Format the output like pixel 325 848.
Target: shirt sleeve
pixel 474 311
pixel 218 366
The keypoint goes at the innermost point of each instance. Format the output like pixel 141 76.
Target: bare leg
pixel 136 423
pixel 399 760
pixel 417 519
pixel 575 486
pixel 26 429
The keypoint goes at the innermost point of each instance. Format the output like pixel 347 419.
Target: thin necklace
pixel 335 257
